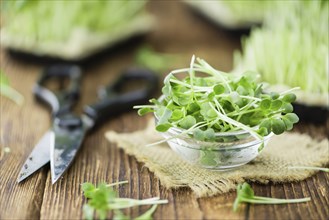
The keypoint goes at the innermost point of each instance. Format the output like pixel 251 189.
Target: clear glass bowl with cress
pixel 218 120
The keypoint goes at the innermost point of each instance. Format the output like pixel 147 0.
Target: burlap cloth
pixel 289 149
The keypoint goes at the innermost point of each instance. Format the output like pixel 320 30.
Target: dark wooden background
pixel 179 31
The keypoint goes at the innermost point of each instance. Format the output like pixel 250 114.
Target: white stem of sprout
pixel 144 106
pixel 117 183
pixel 290 90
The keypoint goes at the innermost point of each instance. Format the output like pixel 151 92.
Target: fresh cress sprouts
pixel 202 101
pixel 70 30
pixel 103 199
pixel 246 194
pixel 291 49
pixel 56 20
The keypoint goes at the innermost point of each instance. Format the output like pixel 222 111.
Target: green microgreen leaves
pixel 289 97
pixel 214 101
pixel 265 104
pixel 219 89
pixel 103 199
pixel 187 122
pixel 144 111
pixel 246 194
pixel 164 114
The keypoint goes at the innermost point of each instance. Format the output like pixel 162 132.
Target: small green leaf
pixel 208 158
pixel 88 189
pixel 219 89
pixel 266 124
pixel 211 113
pixel 198 134
pixel 163 114
pixel 187 122
pixel 163 127
pixel 193 107
pixel 287 123
pixel 209 134
pixel 246 190
pixel 276 105
pixel 288 108
pixel 177 114
pixel 289 98
pixel 166 90
pixel 292 117
pixel 144 111
pixel 278 126
pixel 262 131
pixel 204 109
pixel 184 100
pixel 265 104
pixel 274 95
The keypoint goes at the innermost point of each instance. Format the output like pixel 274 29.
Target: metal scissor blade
pixel 67 143
pixel 38 157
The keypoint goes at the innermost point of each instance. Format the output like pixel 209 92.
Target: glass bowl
pixel 229 150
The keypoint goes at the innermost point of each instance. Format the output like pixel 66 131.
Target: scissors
pixel 60 144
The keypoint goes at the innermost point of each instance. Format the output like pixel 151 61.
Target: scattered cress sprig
pixel 103 199
pixel 246 194
pixel 219 102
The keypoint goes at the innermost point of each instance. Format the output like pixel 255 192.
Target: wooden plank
pixel 20 131
pixel 220 207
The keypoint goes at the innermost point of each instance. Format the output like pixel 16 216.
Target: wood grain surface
pixel 180 31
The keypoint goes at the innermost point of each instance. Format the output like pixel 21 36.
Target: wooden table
pixel 178 31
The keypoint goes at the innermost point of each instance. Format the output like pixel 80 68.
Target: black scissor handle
pixel 114 102
pixel 63 100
